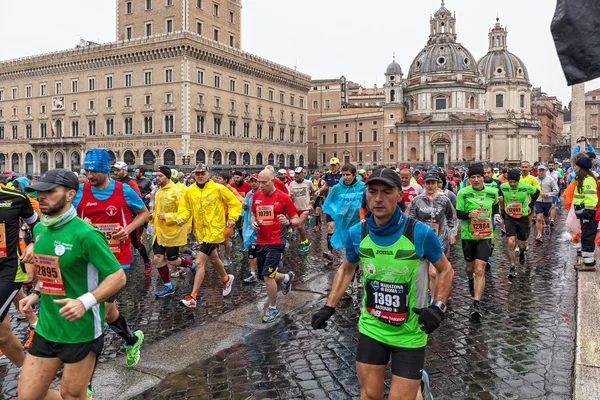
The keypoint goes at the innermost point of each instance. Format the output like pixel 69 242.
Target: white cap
pixel 281 171
pixel 292 174
pixel 298 170
pixel 120 165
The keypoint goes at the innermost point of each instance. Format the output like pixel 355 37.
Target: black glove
pixel 319 319
pixel 430 318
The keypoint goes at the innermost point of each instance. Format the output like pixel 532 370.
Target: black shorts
pixel 477 249
pixel 517 227
pixel 172 253
pixel 406 363
pixel 268 258
pixel 68 353
pixel 252 251
pixel 208 248
pixel 328 218
pixel 8 291
pixel 543 208
pixel 318 202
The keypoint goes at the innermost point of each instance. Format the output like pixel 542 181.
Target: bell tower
pixel 442 26
pixel 497 37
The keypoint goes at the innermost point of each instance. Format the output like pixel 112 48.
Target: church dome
pixel 443 57
pixel 393 69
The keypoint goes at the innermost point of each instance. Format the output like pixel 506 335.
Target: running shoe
pixel 189 302
pixel 288 286
pixel 31 332
pixel 512 273
pixel 90 391
pixel 552 224
pixel 522 257
pixel 472 286
pixel 547 230
pixel 328 255
pixel 349 291
pixel 538 239
pixel 133 351
pixel 304 247
pixel 426 385
pixel 227 261
pixel 228 285
pixel 251 279
pixel 271 315
pixel 147 268
pixel 178 272
pixel 165 291
pixel 475 311
pixel 584 267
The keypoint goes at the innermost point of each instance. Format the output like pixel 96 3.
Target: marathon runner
pixel 558 178
pixel 409 190
pixel 318 184
pixel 249 233
pixel 223 178
pixel 435 209
pixel 14 208
pixel 109 205
pixel 477 206
pixel 394 252
pixel 76 273
pixel 493 183
pixel 331 179
pixel 545 202
pixel 204 203
pixel 585 201
pixel 517 208
pixel 301 192
pixel 144 184
pixel 243 188
pixel 272 213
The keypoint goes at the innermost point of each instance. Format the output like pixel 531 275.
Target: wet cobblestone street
pixel 523 348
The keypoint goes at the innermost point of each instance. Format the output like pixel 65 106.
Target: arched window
pixel 259 159
pixel 246 158
pixel 200 157
pixel 472 103
pixel 43 162
pixel 271 159
pixel 15 162
pixel 112 156
pixel 2 163
pixel 76 161
pixel 59 160
pixel 393 96
pixel 469 153
pixel 169 157
pixel 129 158
pixel 413 154
pixel 292 161
pixel 281 161
pixel 29 164
pixel 301 161
pixel 232 158
pixel 217 158
pixel 149 158
pixel 497 40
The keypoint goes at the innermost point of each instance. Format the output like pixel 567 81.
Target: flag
pixel 52 129
pixel 577 39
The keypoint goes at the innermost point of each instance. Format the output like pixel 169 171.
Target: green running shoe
pixel 90 391
pixel 512 273
pixel 133 351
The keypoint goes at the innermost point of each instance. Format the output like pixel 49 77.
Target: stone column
pixel 460 145
pixel 483 145
pixel 577 113
pixel 477 141
pixel 454 154
pixel 405 147
pixel 427 147
pixel 420 145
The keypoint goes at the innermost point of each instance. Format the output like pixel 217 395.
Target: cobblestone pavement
pixel 523 347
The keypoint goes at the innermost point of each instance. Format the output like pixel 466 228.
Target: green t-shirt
pixel 77 255
pixel 516 200
pixel 469 199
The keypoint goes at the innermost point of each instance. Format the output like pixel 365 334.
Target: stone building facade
pixel 592 122
pixel 174 97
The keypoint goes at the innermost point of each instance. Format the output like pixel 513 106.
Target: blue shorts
pixel 543 208
pixel 554 199
pixel 268 258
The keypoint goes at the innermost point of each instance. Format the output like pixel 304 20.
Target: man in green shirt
pixel 76 272
pixel 477 207
pixel 517 209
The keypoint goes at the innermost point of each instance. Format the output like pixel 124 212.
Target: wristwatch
pixel 439 305
pixel 34 291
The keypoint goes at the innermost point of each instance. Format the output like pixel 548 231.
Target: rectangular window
pixel 109 82
pixel 92 104
pixel 217 102
pixel 148 122
pixel 2 94
pixel 201 99
pixel 291 100
pixel 231 17
pixel 216 10
pixel 148 100
pixel 147 77
pixel 315 105
pixel 259 92
pixel 110 126
pixel 28 91
pixel 346 137
pixel 271 132
pixel 271 94
pixel 216 35
pixel 281 134
pixel 168 75
pixel 169 26
pixel 374 135
pixel 199 124
pixel 74 106
pixel 360 156
pixel 281 97
pixel 374 155
pixel 324 158
pixel 92 127
pixel 360 136
pixel 232 85
pixel 109 103
pixel 301 102
pixel 74 86
pixel 246 88
pixel 128 101
pixel 499 101
pixel 43 109
pixel 128 79
pixel 169 124
pixel 148 4
pixel 58 87
pixel 259 131
pixel 335 138
pixel 91 84
pixel 169 3
pixel 232 105
pixel 217 126
pixel 169 98
pixel 75 128
pixel 129 33
pixel 522 101
pixel 231 40
pixel 42 89
pixel 43 130
pixel 28 110
pixel 440 104
pixel 129 7
pixel 391 144
pixel 199 3
pixel 14 111
pixel 327 104
pixel 200 77
pixel 15 93
pixel 28 131
pixel 15 132
pixel 324 139
pixel 199 28
pixel 218 81
pixel 148 28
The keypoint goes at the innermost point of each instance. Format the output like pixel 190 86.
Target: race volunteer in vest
pixel 394 252
pixel 109 205
pixel 13 207
pixel 409 190
pixel 204 204
pixel 120 174
pixel 517 207
pixel 76 273
pixel 331 179
pixel 585 201
pixel 477 207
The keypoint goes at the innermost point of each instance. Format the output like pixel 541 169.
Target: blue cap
pixel 97 160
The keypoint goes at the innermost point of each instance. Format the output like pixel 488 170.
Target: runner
pixel 476 206
pixel 558 178
pixel 243 188
pixel 409 190
pixel 144 184
pixel 331 179
pixel 517 208
pixel 545 202
pixel 168 237
pixel 109 205
pixel 223 178
pixel 76 273
pixel 301 192
pixel 204 204
pixel 249 233
pixel 272 213
pixel 435 209
pixel 318 183
pixel 400 332
pixel 491 182
pixel 585 201
pixel 13 207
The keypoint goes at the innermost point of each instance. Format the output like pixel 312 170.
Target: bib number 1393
pixel 387 301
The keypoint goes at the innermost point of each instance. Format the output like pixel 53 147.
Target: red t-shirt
pixel 267 209
pixel 242 190
pixel 280 186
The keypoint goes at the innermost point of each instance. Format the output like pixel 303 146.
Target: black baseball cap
pixel 54 178
pixel 385 175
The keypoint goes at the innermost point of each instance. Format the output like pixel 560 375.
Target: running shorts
pixel 172 253
pixel 318 202
pixel 543 208
pixel 518 227
pixel 68 353
pixel 207 248
pixel 406 363
pixel 477 249
pixel 268 258
pixel 8 291
pixel 554 199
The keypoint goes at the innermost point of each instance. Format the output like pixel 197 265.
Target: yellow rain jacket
pixel 206 207
pixel 167 233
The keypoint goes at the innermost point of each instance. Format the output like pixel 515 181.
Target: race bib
pixel 515 209
pixel 2 241
pixel 265 215
pixel 481 227
pixel 47 272
pixel 109 231
pixel 434 225
pixel 387 301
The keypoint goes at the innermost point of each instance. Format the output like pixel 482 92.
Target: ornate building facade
pixel 175 89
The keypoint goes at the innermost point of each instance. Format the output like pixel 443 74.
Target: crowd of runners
pixel 66 240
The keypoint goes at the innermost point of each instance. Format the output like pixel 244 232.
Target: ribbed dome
pixel 500 65
pixel 443 57
pixel 394 69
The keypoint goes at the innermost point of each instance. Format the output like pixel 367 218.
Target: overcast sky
pixel 323 38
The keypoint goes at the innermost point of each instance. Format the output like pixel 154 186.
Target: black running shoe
pixel 472 286
pixel 475 311
pixel 522 257
pixel 512 273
